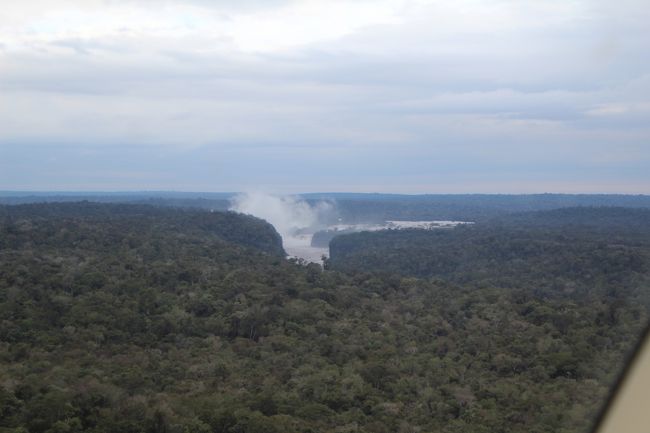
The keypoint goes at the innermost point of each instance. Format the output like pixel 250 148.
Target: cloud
pixel 252 26
pixel 380 89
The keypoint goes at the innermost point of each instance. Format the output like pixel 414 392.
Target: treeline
pixel 88 219
pixel 576 251
pixel 136 319
pixel 364 208
pixel 201 200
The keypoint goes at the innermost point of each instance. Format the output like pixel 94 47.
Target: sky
pixel 404 96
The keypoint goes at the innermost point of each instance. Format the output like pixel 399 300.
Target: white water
pixel 293 218
pixel 300 247
pixel 397 225
pixel 297 221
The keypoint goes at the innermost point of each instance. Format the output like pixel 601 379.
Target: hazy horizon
pixel 298 193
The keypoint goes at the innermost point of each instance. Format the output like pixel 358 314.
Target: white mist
pixel 294 219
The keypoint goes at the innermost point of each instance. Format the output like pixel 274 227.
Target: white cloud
pixel 359 78
pixel 287 25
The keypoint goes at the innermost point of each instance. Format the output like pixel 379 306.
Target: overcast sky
pixel 296 96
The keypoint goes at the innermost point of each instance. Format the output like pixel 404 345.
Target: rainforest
pixel 141 318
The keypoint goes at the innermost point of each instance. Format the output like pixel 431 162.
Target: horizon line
pixel 153 192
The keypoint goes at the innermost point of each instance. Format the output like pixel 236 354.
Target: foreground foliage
pixel 137 319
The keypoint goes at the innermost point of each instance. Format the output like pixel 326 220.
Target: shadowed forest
pixel 135 318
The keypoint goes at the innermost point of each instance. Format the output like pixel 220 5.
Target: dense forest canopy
pixel 135 318
pixel 355 208
pixel 575 251
pixel 362 208
pixel 243 230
